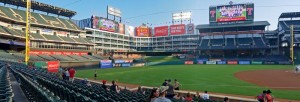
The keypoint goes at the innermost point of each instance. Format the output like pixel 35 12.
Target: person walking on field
pixel 72 74
pixel 95 75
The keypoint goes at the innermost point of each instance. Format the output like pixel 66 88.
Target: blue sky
pixel 158 12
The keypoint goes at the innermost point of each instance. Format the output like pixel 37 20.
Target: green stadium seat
pixel 52 37
pixel 67 39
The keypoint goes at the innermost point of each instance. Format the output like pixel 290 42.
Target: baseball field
pixel 226 79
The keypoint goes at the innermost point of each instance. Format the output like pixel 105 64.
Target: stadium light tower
pixel 181 16
pixel 27 42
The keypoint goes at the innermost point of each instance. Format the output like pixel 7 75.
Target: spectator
pixel 178 96
pixel 84 81
pixel 226 99
pixel 189 98
pixel 67 74
pixel 170 91
pixel 140 90
pixel 72 73
pixel 261 97
pixel 165 83
pixel 63 74
pixel 104 85
pixel 153 95
pixel 162 95
pixel 95 75
pixel 88 83
pixel 269 97
pixel 197 96
pixel 114 86
pixel 60 71
pixel 205 96
pixel 176 85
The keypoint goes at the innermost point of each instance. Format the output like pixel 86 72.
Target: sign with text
pixel 53 66
pixel 177 29
pixel 161 31
pixel 106 64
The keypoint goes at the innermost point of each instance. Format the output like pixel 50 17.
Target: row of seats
pixel 33 91
pixel 232 43
pixel 19 15
pixel 76 91
pixel 17 56
pixel 6 93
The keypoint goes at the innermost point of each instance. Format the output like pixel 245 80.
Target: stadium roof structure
pixel 42 7
pixel 256 23
pixel 290 15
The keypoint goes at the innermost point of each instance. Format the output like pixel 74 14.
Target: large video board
pixel 231 13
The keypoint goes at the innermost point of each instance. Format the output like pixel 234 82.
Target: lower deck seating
pixel 6 93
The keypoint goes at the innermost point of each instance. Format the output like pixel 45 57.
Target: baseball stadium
pixel 47 56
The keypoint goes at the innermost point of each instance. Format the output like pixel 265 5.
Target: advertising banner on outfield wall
pixel 214 59
pixel 138 64
pixel 161 31
pixel 269 62
pixel 106 64
pixel 119 61
pixel 190 28
pixel 126 65
pixel 244 62
pixel 256 62
pixel 211 62
pixel 232 62
pixel 189 62
pixel 284 62
pixel 221 62
pixel 53 66
pixel 200 62
pixel 177 29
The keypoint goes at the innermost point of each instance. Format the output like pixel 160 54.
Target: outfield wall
pixel 219 62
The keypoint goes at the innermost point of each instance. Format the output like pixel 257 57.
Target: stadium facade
pixel 229 35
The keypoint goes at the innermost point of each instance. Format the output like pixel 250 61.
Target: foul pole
pixel 292 44
pixel 27 42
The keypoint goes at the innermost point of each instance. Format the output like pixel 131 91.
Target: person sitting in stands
pixel 84 81
pixel 197 96
pixel 88 83
pixel 226 99
pixel 205 96
pixel 162 95
pixel 103 85
pixel 178 96
pixel 153 95
pixel 140 90
pixel 114 87
pixel 189 98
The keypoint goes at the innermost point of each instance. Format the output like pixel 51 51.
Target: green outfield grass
pixel 213 78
